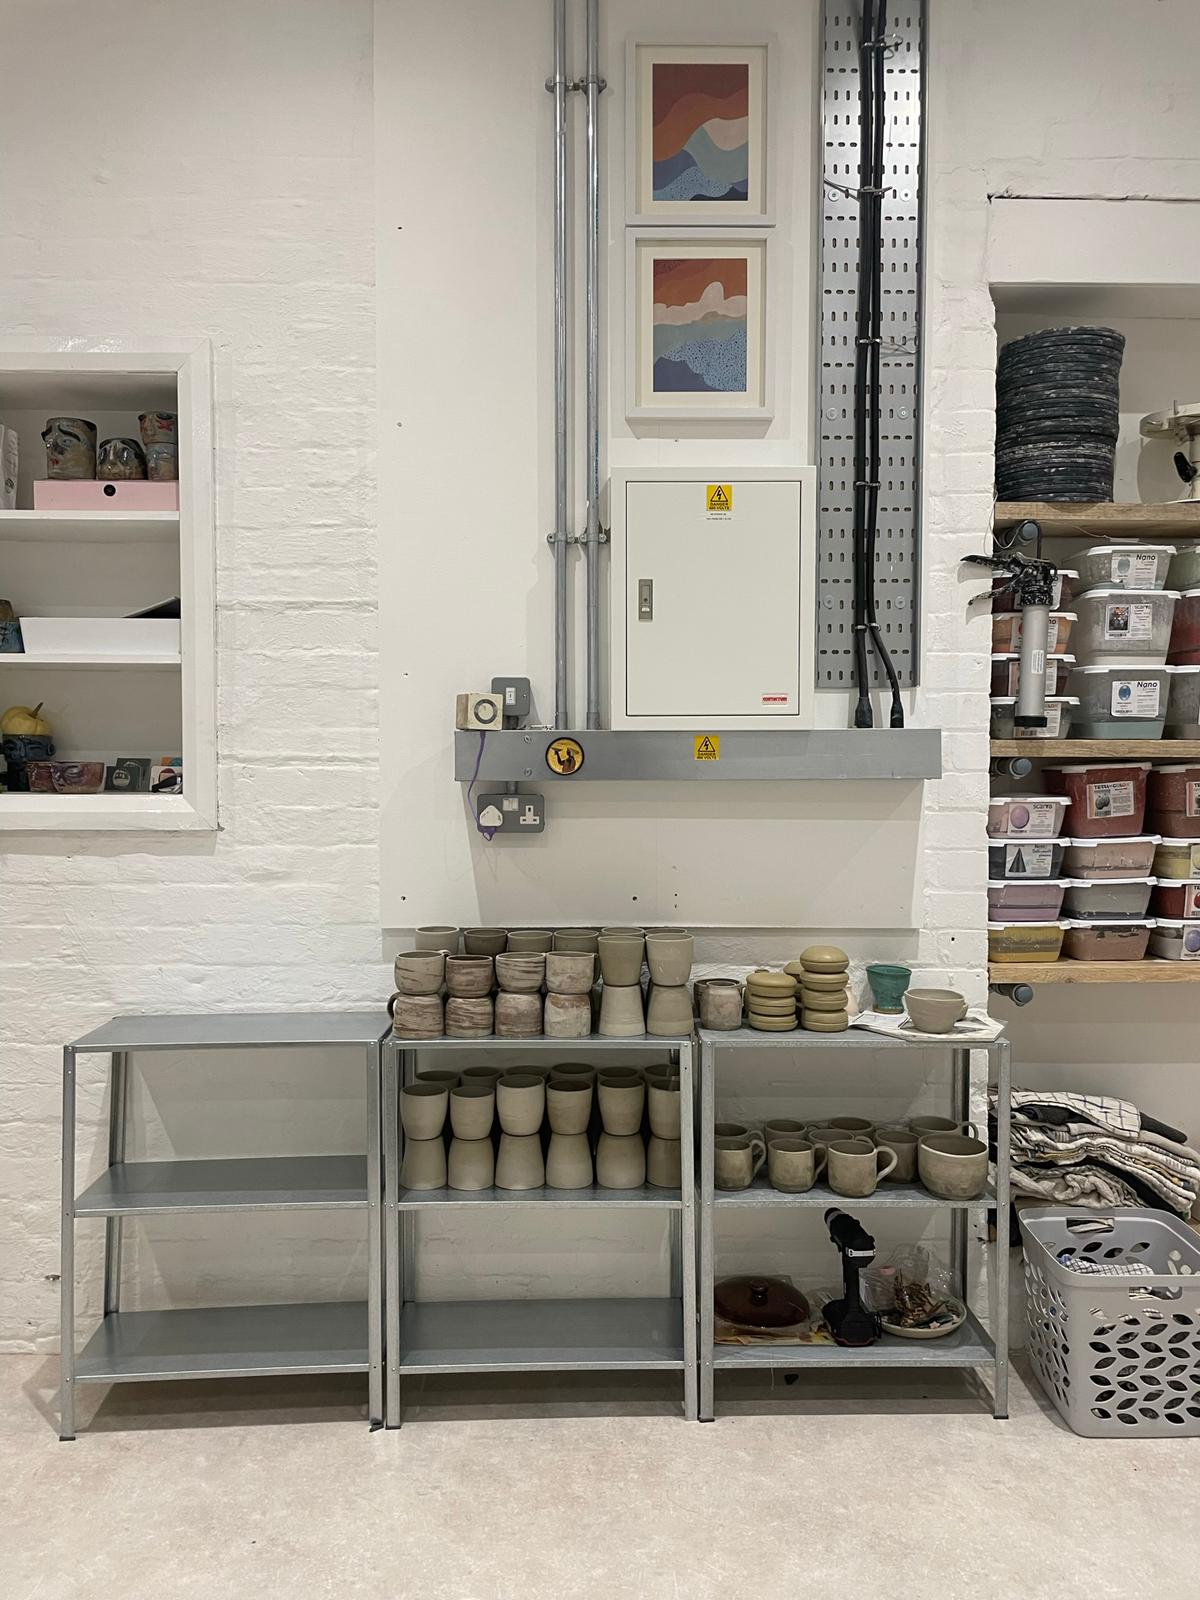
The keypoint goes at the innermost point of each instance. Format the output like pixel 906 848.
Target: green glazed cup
pixel 888 984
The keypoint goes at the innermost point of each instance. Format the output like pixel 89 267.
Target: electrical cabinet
pixel 712 601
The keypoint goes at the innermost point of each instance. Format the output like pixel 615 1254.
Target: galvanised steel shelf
pixel 643 1199
pixel 221 1341
pixel 227 1342
pixel 909 1196
pixel 753 756
pixel 541 1336
pixel 968 1346
pixel 579 1335
pixel 251 1183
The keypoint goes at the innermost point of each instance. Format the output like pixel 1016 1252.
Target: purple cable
pixel 488 833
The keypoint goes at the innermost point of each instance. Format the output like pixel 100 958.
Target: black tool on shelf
pixel 847 1319
pixel 1030 584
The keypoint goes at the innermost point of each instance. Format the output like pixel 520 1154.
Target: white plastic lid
pixel 1110 922
pixel 1035 883
pixel 1104 883
pixel 1190 594
pixel 1123 838
pixel 1015 655
pixel 1172 883
pixel 1128 672
pixel 1125 594
pixel 1020 838
pixel 1175 922
pixel 1107 766
pixel 1108 549
pixel 1051 700
pixel 1074 616
pixel 1054 923
pixel 1028 799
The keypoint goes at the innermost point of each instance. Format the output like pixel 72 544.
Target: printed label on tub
pixel 1190 947
pixel 1135 697
pixel 1028 860
pixel 1134 568
pixel 1191 802
pixel 1126 621
pixel 1191 900
pixel 1110 800
pixel 1035 819
pixel 1050 731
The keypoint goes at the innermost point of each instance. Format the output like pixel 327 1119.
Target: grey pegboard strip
pixel 897 565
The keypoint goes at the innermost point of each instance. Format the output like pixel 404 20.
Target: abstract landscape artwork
pixel 698 326
pixel 699 133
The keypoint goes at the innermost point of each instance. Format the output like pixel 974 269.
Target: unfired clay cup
pixel 664 1105
pixel 720 1004
pixel 482 1074
pixel 923 1125
pixel 620 1161
pixel 904 1143
pixel 621 1105
pixel 621 959
pixel 521 940
pixel 854 1127
pixel 621 1014
pixel 570 972
pixel 794 1165
pixel 567 1016
pixel 569 1104
pixel 568 1162
pixel 423 1109
pixel 521 974
pixel 518 1016
pixel 420 971
pixel 856 1166
pixel 581 1071
pixel 737 1160
pixel 521 1102
pixel 418 1016
pixel 953 1165
pixel 669 1012
pixel 469 977
pixel 424 1164
pixel 584 939
pixel 664 1163
pixel 519 1164
pixel 484 941
pixel 669 957
pixel 438 937
pixel 447 1075
pixel 472 1110
pixel 473 1018
pixel 934 1010
pixel 471 1164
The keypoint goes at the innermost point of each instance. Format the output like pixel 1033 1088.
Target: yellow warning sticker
pixel 719 497
pixel 708 747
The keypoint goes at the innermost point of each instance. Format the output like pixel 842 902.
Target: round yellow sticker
pixel 564 756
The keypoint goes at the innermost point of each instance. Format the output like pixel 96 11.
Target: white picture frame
pixel 646 400
pixel 643 208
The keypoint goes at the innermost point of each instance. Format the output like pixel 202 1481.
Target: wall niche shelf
pixel 110 563
pixel 1062 520
pixel 1057 972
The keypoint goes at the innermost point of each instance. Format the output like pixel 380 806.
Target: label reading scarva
pixel 1035 819
pixel 1129 620
pixel 1028 860
pixel 1110 800
pixel 1135 697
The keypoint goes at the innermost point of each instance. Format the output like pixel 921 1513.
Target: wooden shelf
pixel 1038 972
pixel 90 663
pixel 1179 519
pixel 1099 749
pixel 90 527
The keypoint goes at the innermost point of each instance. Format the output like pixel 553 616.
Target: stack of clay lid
pixel 771 1001
pixel 1058 414
pixel 822 971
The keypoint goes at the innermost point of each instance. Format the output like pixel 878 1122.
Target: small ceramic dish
pixel 957 1316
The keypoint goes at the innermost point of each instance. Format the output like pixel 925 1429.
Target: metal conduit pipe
pixel 593 85
pixel 560 539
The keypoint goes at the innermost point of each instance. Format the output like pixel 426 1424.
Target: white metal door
pixel 712 601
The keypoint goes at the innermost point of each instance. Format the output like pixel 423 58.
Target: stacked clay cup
pixel 771 1001
pixel 823 973
pixel 569 978
pixel 669 957
pixel 622 951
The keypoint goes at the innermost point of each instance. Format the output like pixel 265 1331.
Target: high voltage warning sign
pixel 720 497
pixel 708 747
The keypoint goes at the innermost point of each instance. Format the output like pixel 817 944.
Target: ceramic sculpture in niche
pixel 120 461
pixel 162 463
pixel 70 447
pixel 158 427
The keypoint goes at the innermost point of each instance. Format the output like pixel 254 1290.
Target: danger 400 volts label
pixel 718 500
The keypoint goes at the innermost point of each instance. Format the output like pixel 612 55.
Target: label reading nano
pixel 719 498
pixel 708 747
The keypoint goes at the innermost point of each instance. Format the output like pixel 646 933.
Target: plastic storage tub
pixel 1108 798
pixel 1110 858
pixel 1024 941
pixel 1185 631
pixel 1185 568
pixel 1125 566
pixel 1106 941
pixel 1183 702
pixel 1131 627
pixel 1006 673
pixel 1060 709
pixel 1173 858
pixel 1006 632
pixel 1027 816
pixel 1025 900
pixel 1024 858
pixel 1177 898
pixel 1100 898
pixel 1173 801
pixel 1115 703
pixel 1175 940
pixel 1118 1356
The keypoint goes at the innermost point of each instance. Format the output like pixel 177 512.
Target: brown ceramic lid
pixel 757 1301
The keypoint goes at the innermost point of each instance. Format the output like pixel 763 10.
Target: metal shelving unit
pixel 968 1346
pixel 580 1335
pixel 221 1341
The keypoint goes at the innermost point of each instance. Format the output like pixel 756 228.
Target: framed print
pixel 696 310
pixel 698 133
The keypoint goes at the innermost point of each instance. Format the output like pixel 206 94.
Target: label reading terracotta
pixel 1126 620
pixel 1135 697
pixel 1191 802
pixel 1135 569
pixel 1106 800
pixel 708 747
pixel 1035 819
pixel 1028 860
pixel 718 498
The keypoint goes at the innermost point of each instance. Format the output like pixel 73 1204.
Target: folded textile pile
pixel 1093 1150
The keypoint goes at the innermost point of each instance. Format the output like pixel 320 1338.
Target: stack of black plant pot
pixel 1057 415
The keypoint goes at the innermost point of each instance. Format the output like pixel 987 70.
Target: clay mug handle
pixel 758 1154
pixel 971 1128
pixel 392 1005
pixel 882 1172
pixel 820 1158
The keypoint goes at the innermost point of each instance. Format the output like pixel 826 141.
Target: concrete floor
pixel 888 1485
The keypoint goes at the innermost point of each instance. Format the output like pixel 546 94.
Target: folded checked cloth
pixel 1174 1176
pixel 1074 1186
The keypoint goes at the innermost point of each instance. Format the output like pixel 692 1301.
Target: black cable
pixel 863 717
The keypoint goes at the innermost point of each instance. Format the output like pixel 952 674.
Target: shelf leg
pixel 66 1287
pixel 375 1333
pixel 687 1236
pixel 393 1286
pixel 708 1119
pixel 1003 1204
pixel 960 1066
pixel 118 1113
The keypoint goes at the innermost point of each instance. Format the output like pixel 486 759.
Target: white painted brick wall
pixel 207 170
